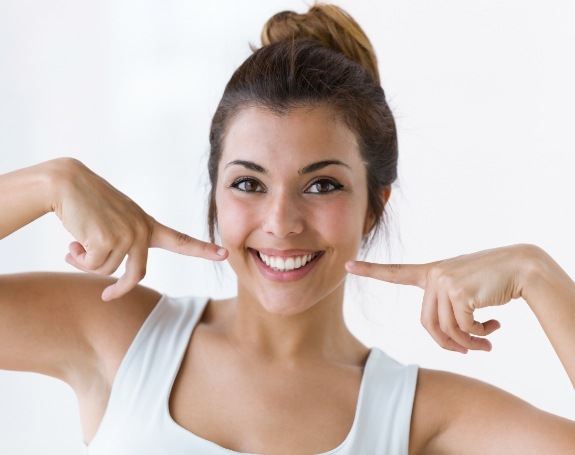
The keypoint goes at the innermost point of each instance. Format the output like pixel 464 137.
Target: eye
pixel 337 186
pixel 241 180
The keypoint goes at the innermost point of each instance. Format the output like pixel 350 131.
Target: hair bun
pixel 328 24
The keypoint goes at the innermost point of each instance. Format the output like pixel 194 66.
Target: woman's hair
pixel 320 58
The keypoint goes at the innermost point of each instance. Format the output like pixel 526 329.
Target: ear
pixel 369 222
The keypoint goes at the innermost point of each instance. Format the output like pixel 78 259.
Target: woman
pixel 303 156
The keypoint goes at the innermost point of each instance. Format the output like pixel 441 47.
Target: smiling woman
pixel 303 154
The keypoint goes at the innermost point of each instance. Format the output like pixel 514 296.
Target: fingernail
pixel 221 252
pixel 350 264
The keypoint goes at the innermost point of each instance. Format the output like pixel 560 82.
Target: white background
pixel 483 97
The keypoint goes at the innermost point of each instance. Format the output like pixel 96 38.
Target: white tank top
pixel 137 420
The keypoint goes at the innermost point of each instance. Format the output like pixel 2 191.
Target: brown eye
pixel 250 184
pixel 323 182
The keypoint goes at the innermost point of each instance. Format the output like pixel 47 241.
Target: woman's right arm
pixel 56 323
pixel 26 194
pixel 42 314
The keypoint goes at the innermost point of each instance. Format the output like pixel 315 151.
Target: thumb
pixel 410 274
pixel 169 239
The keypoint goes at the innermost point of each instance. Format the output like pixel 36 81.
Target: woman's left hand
pixel 455 287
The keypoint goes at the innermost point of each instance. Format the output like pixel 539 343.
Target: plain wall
pixel 483 97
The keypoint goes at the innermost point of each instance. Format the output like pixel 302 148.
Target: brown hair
pixel 320 58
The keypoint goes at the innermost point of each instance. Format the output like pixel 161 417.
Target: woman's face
pixel 272 202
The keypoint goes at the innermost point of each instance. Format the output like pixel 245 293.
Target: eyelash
pixel 337 186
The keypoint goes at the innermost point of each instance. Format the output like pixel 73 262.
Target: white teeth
pixel 290 263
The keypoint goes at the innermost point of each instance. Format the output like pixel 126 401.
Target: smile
pixel 276 274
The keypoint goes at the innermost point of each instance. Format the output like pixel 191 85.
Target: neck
pixel 305 330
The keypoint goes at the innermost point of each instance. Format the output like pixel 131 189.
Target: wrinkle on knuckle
pixel 182 239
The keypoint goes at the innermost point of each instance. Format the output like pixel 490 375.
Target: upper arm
pixel 56 323
pixel 478 418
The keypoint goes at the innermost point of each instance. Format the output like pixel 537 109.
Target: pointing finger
pixel 411 274
pixel 178 242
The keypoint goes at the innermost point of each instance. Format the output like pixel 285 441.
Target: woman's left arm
pixel 550 293
pixel 458 414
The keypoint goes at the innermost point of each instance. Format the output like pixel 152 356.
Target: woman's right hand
pixel 108 225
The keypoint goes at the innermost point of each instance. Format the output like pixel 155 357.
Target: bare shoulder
pixel 454 413
pixel 56 324
pixel 114 327
pixel 425 417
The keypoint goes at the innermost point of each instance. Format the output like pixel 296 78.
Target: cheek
pixel 235 219
pixel 339 223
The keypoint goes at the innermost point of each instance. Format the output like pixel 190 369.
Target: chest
pixel 263 423
pixel 247 405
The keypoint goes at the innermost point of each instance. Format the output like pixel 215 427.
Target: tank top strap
pixel 148 369
pixel 385 415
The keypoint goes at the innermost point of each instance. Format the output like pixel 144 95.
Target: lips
pixel 314 256
pixel 290 275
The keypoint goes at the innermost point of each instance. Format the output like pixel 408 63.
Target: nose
pixel 283 216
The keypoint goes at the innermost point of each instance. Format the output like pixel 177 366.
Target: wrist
pixel 535 269
pixel 56 173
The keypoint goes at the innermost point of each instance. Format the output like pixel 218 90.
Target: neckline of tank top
pixel 358 407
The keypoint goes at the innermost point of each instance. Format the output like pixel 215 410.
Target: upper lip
pixel 284 253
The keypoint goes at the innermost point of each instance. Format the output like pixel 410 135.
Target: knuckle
pixel 457 293
pixel 444 344
pixel 183 239
pixel 445 280
pixel 90 263
pixel 435 273
pixel 142 230
pixel 466 326
pixel 101 238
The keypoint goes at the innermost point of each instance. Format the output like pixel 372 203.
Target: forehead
pixel 301 134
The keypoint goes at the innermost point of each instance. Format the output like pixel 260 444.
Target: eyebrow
pixel 305 170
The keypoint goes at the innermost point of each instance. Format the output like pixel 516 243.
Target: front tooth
pixel 298 262
pixel 280 264
pixel 289 263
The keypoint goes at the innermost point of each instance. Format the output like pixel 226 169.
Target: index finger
pixel 178 242
pixel 410 274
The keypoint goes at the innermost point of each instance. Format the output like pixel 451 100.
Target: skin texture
pixel 284 210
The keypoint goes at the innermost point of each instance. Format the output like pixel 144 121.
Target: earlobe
pixel 386 194
pixel 369 219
